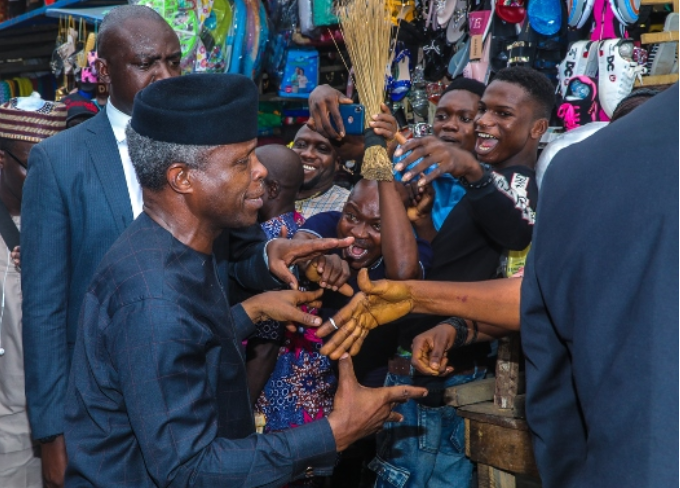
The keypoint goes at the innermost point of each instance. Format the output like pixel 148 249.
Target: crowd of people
pixel 168 285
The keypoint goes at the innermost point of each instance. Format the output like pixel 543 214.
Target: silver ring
pixel 333 323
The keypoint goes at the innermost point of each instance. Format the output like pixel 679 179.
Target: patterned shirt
pixel 332 200
pixel 292 221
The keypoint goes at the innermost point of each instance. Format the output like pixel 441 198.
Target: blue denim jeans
pixel 427 449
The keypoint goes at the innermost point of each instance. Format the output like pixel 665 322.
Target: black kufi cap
pixel 198 109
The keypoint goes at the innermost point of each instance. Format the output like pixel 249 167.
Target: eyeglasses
pixel 16 159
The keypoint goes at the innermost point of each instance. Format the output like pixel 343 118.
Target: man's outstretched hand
pixel 283 253
pixel 359 411
pixel 284 306
pixel 378 303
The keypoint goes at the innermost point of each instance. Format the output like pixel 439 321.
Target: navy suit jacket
pixel 600 307
pixel 75 205
pixel 158 393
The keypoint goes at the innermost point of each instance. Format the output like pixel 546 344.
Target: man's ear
pixel 539 128
pixel 179 178
pixel 273 190
pixel 102 67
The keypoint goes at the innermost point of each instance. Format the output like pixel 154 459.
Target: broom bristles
pixel 366 28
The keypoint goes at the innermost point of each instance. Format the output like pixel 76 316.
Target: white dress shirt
pixel 119 121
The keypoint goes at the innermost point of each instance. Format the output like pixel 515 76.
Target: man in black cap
pixel 158 394
pixel 81 193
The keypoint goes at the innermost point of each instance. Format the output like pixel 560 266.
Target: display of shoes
pixel 400 83
pixel 456 28
pixel 581 59
pixel 663 56
pixel 617 72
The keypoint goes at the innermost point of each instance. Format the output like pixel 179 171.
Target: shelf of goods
pixel 654 38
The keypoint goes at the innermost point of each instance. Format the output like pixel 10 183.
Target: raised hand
pixel 283 253
pixel 384 124
pixel 359 411
pixel 323 105
pixel 378 303
pixel 444 157
pixel 330 272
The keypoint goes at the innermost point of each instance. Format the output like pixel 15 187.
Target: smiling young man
pixel 320 161
pixel 454 123
pixel 496 214
pixel 158 393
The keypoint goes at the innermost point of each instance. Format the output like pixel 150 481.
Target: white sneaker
pixel 617 72
pixel 663 58
pixel 581 60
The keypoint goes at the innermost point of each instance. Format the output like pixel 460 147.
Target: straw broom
pixel 366 28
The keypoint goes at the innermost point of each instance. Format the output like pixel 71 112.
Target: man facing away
pixel 158 393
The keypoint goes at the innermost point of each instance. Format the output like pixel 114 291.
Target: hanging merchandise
pixel 65 50
pixel 214 36
pixel 579 12
pixel 306 16
pixel 183 19
pixel 323 13
pixel 248 37
pixel 301 73
pixel 581 60
pixel 617 72
pixel 545 16
pixel 581 103
pixel 626 11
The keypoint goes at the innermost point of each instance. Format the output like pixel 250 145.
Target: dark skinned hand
pixel 429 350
pixel 330 272
pixel 445 157
pixel 284 306
pixel 16 257
pixel 323 105
pixel 54 461
pixel 378 303
pixel 420 202
pixel 359 411
pixel 283 253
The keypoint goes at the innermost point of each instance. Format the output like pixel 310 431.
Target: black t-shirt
pixel 480 228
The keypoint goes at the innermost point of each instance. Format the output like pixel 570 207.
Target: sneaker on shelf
pixel 580 104
pixel 663 56
pixel 581 59
pixel 579 12
pixel 626 11
pixel 617 72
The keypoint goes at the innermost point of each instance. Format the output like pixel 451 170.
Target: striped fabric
pixel 31 125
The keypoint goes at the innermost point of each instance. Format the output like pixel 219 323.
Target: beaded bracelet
pixel 461 331
pixel 485 180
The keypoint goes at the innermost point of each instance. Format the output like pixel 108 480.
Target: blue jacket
pixel 600 307
pixel 75 205
pixel 158 393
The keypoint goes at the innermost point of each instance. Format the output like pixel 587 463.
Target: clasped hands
pixel 376 304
